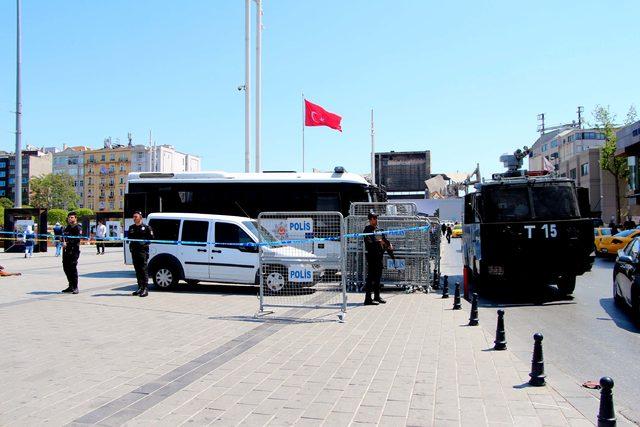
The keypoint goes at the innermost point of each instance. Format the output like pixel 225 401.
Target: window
pixel 111 205
pixel 112 157
pixel 121 192
pixel 2 192
pixel 103 158
pixel 3 174
pixel 92 159
pixel 81 183
pixel 3 164
pixel 584 169
pixel 572 174
pixel 90 181
pixel 195 231
pixel 121 180
pixel 3 183
pixel 554 202
pixel 230 233
pixel 112 169
pixel 507 204
pixel 165 229
pixel 554 143
pixel 544 148
pixel 121 168
pixel 12 181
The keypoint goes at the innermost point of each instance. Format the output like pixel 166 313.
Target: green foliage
pixel 1 216
pixel 6 202
pixel 56 215
pixel 84 212
pixel 617 166
pixel 54 191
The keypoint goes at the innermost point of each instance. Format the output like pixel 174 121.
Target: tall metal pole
pixel 247 85
pixel 373 152
pixel 258 78
pixel 303 117
pixel 18 162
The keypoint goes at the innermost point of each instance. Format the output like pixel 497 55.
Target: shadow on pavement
pixel 44 293
pixel 504 297
pixel 620 315
pixel 109 274
pixel 270 319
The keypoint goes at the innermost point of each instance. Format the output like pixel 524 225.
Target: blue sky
pixel 463 79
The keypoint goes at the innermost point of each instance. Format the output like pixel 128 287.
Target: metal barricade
pixel 411 269
pixel 301 260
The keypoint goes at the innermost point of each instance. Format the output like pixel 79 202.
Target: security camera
pixel 241 87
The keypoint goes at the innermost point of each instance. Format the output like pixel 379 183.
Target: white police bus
pixel 245 194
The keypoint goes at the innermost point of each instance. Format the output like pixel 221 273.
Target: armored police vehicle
pixel 525 229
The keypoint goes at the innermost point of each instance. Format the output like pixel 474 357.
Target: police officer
pixel 71 252
pixel 375 246
pixel 141 233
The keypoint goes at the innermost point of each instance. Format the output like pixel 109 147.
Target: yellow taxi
pixel 456 231
pixel 610 245
pixel 599 233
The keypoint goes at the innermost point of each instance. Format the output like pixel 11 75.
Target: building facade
pixel 35 163
pixel 106 170
pixel 70 161
pixel 575 153
pixel 628 145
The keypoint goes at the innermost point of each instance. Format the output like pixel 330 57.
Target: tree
pixel 84 212
pixel 616 166
pixel 6 202
pixel 54 191
pixel 56 215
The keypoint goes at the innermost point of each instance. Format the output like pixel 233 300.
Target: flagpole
pixel 373 152
pixel 302 131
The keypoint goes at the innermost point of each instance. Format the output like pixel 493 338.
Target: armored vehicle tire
pixel 566 284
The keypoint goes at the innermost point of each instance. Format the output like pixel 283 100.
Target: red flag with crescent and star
pixel 315 115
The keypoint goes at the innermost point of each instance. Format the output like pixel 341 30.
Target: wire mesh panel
pixel 301 260
pixel 408 266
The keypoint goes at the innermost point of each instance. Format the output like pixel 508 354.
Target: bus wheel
pixel 567 284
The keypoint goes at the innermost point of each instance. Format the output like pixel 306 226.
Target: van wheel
pixel 165 277
pixel 566 284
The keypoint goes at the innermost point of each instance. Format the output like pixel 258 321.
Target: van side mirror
pixel 250 249
pixel 624 258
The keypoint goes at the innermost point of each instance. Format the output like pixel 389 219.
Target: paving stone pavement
pixel 200 357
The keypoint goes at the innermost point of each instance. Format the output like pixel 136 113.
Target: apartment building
pixel 35 163
pixel 71 161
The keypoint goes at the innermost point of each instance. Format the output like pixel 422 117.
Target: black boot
pixel 74 291
pixel 68 290
pixel 368 300
pixel 378 299
pixel 136 292
pixel 143 292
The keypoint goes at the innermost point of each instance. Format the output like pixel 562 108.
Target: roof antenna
pixel 243 211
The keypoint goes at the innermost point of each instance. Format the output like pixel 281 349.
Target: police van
pixel 221 248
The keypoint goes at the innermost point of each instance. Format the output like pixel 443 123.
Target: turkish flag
pixel 315 115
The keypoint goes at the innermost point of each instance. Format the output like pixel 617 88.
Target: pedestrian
pixel 629 224
pixel 375 246
pixel 443 228
pixel 140 234
pixel 101 234
pixel 71 252
pixel 449 232
pixel 57 238
pixel 613 226
pixel 4 273
pixel 29 240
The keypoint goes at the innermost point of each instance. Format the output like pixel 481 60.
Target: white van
pixel 200 247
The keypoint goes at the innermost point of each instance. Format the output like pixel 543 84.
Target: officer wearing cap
pixel 375 246
pixel 71 252
pixel 140 234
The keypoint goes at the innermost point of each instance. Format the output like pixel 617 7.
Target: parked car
pixel 220 248
pixel 626 278
pixel 610 245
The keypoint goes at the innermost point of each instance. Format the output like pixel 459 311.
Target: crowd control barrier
pixel 408 265
pixel 304 266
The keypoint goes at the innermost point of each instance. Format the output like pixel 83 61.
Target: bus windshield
pixel 548 201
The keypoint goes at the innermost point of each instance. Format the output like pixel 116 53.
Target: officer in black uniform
pixel 71 252
pixel 375 246
pixel 141 233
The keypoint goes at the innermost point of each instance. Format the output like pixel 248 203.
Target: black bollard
pixel 501 339
pixel 607 414
pixel 473 318
pixel 456 298
pixel 445 287
pixel 537 376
